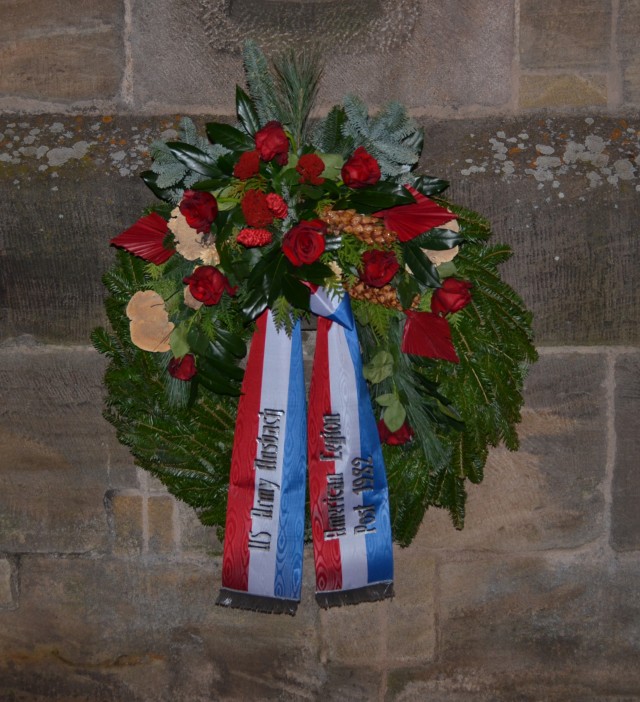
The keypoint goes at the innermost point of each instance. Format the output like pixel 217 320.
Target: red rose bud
pixel 451 297
pixel 378 267
pixel 207 285
pixel 360 170
pixel 183 368
pixel 255 209
pixel 310 166
pixel 394 438
pixel 199 209
pixel 272 143
pixel 254 237
pixel 277 205
pixel 248 165
pixel 304 243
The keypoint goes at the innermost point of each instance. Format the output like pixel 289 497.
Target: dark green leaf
pixel 209 184
pixel 150 178
pixel 407 289
pixel 246 112
pixel 229 137
pixel 421 267
pixel 194 158
pixel 439 239
pixel 429 186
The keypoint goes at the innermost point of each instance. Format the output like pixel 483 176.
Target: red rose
pixel 272 143
pixel 254 237
pixel 256 209
pixel 378 267
pixel 304 243
pixel 183 368
pixel 248 165
pixel 277 205
pixel 394 438
pixel 451 297
pixel 310 166
pixel 199 209
pixel 207 284
pixel 360 170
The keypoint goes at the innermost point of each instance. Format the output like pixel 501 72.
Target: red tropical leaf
pixel 145 239
pixel 409 221
pixel 427 334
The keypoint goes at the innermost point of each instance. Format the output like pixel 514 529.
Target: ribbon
pixel 264 537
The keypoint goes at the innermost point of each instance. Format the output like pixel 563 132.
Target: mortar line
pixel 516 71
pixel 127 76
pixel 614 78
pixel 611 443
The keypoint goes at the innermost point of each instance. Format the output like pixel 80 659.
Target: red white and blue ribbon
pixel 347 483
pixel 264 534
pixel 264 537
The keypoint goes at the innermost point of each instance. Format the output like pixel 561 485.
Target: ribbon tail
pixel 264 535
pixel 348 489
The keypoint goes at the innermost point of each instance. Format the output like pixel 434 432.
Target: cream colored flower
pixel 150 327
pixel 190 300
pixel 189 242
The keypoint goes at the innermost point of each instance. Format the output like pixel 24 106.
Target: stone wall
pixel 107 584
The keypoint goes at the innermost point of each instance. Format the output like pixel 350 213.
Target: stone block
pixel 194 536
pixel 396 49
pixel 562 192
pixel 150 631
pixel 537 624
pixel 549 494
pixel 561 91
pixel 79 171
pixel 627 26
pixel 124 511
pixel 161 516
pixel 6 588
pixel 51 55
pixel 554 35
pixel 57 450
pixel 410 635
pixel 625 516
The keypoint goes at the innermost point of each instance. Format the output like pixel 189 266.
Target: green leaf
pixel 439 239
pixel 421 267
pixel 379 197
pixel 407 289
pixel 150 180
pixel 394 416
pixel 294 291
pixel 194 158
pixel 380 367
pixel 178 341
pixel 246 112
pixel 229 137
pixel 388 399
pixel 229 342
pixel 447 270
pixel 429 186
pixel 210 184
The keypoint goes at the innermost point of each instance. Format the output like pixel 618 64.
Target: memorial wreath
pixel 421 347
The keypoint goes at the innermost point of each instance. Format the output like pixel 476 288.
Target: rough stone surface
pixel 6 589
pixel 628 23
pixel 138 630
pixel 567 90
pixel 562 190
pixel 561 35
pixel 161 516
pixel 625 528
pixel 72 55
pixel 125 514
pixel 56 450
pixel 549 494
pixel 408 47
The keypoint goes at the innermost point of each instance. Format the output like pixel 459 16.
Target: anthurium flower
pixel 409 221
pixel 145 239
pixel 428 334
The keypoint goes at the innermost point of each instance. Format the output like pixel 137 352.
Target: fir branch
pixel 260 83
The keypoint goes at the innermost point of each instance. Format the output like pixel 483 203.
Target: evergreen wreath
pixel 257 216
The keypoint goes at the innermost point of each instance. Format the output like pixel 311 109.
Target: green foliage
pixel 260 82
